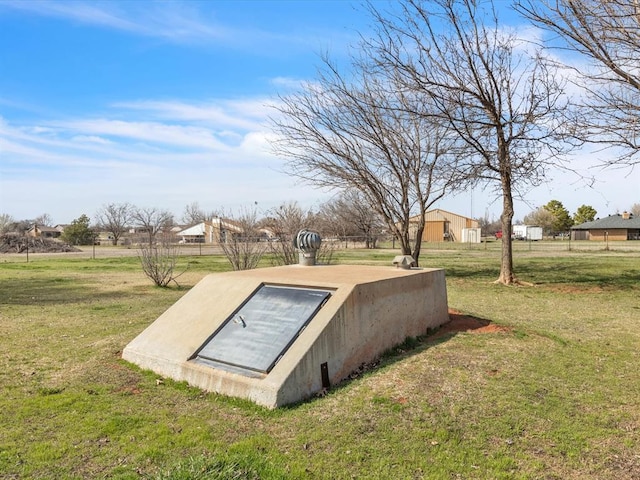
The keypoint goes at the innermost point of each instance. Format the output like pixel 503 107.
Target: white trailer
pixel 527 232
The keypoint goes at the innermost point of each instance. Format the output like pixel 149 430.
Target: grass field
pixel 555 395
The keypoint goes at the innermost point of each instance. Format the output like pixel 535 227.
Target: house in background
pixel 443 226
pixel 210 231
pixel 624 226
pixel 42 231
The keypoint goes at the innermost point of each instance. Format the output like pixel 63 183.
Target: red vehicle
pixel 498 235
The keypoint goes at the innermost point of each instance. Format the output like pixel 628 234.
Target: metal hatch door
pixel 262 329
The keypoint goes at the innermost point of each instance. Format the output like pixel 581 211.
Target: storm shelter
pixel 278 335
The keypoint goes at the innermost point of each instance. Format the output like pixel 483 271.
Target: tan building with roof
pixel 211 231
pixel 42 231
pixel 444 226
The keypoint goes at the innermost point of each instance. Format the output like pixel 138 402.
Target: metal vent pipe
pixel 307 243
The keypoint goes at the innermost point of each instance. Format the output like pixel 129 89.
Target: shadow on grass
pixel 472 272
pixel 615 273
pixel 583 272
pixel 57 290
pixel 458 323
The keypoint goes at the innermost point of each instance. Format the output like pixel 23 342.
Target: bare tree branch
pixel 243 248
pixel 607 33
pixel 114 218
pixel 505 105
pixel 159 262
pixel 152 220
pixel 364 135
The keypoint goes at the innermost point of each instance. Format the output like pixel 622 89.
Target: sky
pixel 166 103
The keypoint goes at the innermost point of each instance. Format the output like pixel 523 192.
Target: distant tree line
pixel 346 216
pixel 553 217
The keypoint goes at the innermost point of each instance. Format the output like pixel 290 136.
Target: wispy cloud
pixel 245 114
pixel 215 151
pixel 288 82
pixel 181 22
pixel 179 132
pixel 171 20
pixel 157 133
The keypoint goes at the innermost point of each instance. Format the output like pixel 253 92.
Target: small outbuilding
pixel 443 226
pixel 624 226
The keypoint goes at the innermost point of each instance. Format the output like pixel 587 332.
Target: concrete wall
pixel 371 309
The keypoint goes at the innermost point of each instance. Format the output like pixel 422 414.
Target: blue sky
pixel 162 104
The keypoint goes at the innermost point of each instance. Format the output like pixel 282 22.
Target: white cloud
pixel 156 133
pixel 91 139
pixel 176 21
pixel 181 22
pixel 288 82
pixel 169 162
pixel 243 114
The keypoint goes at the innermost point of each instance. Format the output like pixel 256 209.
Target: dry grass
pixel 550 390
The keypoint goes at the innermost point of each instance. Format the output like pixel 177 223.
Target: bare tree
pixel 489 226
pixel 152 220
pixel 541 217
pixel 193 214
pixel 44 219
pixel 606 32
pixel 21 226
pixel 350 214
pixel 159 262
pixel 285 221
pixel 243 248
pixel 503 103
pixel 364 134
pixel 635 209
pixel 6 222
pixel 114 218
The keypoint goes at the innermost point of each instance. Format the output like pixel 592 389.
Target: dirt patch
pixel 458 322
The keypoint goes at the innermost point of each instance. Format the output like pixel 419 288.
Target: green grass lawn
pixel 554 396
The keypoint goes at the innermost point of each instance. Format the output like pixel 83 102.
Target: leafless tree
pixel 6 221
pixel 152 220
pixel 193 214
pixel 114 218
pixel 363 133
pixel 635 209
pixel 504 103
pixel 44 219
pixel 541 217
pixel 243 248
pixel 351 215
pixel 21 227
pixel 284 222
pixel 159 262
pixel 607 33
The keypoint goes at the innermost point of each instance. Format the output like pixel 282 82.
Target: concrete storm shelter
pixel 279 335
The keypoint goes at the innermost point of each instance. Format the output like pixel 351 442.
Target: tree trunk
pixel 506 264
pixel 402 234
pixel 418 243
